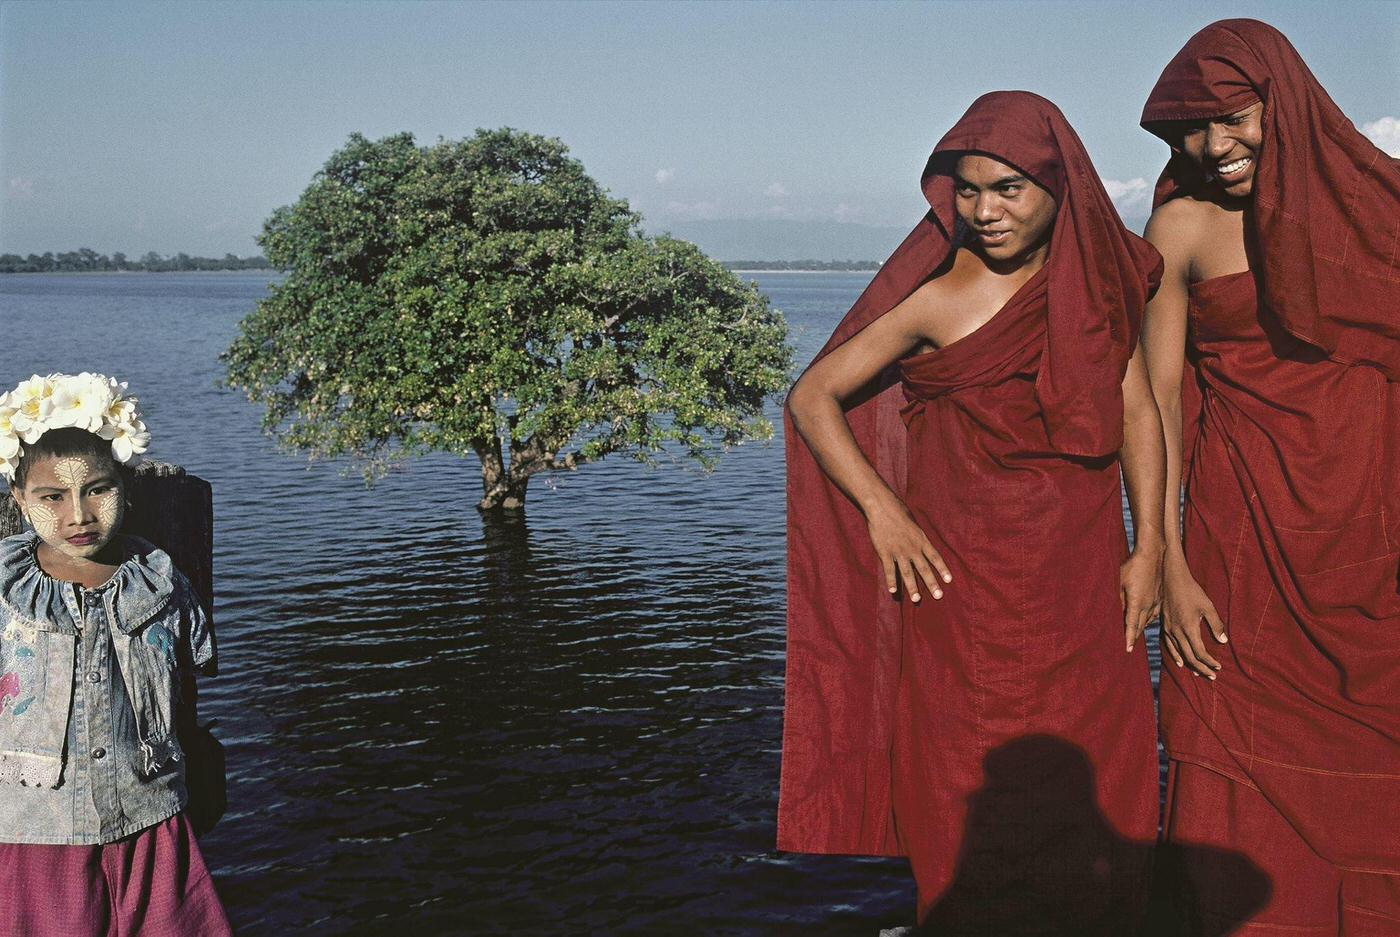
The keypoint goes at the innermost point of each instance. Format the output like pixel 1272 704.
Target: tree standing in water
pixel 486 296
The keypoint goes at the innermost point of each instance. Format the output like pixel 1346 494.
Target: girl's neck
pixel 88 573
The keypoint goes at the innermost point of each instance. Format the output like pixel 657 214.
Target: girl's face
pixel 1227 148
pixel 75 503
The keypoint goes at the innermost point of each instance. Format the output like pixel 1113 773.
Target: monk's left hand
pixel 1140 590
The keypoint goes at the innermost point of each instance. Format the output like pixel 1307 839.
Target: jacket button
pixel 94 677
pixel 98 753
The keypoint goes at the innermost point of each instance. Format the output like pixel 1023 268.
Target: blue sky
pixel 174 127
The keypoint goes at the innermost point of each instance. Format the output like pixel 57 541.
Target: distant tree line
pixel 87 260
pixel 802 264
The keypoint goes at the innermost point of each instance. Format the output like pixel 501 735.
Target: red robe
pixel 1292 421
pixel 1000 737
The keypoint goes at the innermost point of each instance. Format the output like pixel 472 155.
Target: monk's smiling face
pixel 75 503
pixel 1009 215
pixel 1227 148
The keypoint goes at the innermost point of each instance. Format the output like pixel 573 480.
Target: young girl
pixel 97 630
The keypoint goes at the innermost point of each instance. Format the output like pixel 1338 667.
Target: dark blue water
pixel 565 725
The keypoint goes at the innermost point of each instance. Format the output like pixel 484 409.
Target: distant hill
pixel 772 240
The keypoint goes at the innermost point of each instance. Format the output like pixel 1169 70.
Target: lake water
pixel 565 725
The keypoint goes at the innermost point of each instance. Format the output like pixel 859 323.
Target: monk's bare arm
pixel 1144 473
pixel 1172 230
pixel 1164 340
pixel 816 404
pixel 817 400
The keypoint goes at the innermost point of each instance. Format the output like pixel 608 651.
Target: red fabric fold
pixel 1060 348
pixel 1290 528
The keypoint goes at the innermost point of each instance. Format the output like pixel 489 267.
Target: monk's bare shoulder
pixel 931 300
pixel 1176 227
pixel 1186 231
pixel 1199 237
pixel 960 297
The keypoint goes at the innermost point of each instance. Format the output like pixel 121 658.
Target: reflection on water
pixel 565 724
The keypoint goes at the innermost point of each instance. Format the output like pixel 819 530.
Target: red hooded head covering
pixel 1097 274
pixel 1325 209
pixel 843 636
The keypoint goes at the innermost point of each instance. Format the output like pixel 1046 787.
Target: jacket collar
pixel 140 588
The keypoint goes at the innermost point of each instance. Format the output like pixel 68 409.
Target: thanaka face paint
pixel 75 503
pixel 44 520
pixel 109 508
pixel 71 471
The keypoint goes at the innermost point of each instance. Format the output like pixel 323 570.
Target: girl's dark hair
pixel 63 443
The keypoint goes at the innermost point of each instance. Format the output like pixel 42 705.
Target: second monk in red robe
pixel 1280 224
pixel 960 687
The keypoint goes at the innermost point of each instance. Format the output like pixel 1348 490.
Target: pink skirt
pixel 153 883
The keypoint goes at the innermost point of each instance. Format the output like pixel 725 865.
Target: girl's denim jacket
pixel 90 688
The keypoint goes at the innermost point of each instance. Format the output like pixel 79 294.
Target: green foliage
pixel 484 293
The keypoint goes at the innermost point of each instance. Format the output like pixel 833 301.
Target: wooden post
pixel 172 510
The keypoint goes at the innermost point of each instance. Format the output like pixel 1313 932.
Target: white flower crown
pixel 94 402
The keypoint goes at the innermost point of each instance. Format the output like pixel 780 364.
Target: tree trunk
pixel 502 487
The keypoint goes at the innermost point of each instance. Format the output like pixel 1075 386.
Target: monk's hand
pixel 1140 590
pixel 1186 607
pixel 906 556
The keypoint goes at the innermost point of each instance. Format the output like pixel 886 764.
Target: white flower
pixel 9 439
pixel 32 400
pixel 128 439
pixel 79 401
pixel 33 389
pixel 120 410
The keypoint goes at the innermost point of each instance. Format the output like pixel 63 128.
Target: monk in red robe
pixel 1280 227
pixel 962 604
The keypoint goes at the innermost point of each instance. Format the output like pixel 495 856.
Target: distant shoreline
pixel 807 265
pixel 744 270
pixel 87 260
pixel 135 273
pixel 253 271
pixel 272 271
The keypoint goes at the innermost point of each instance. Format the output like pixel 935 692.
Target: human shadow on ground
pixel 1041 860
